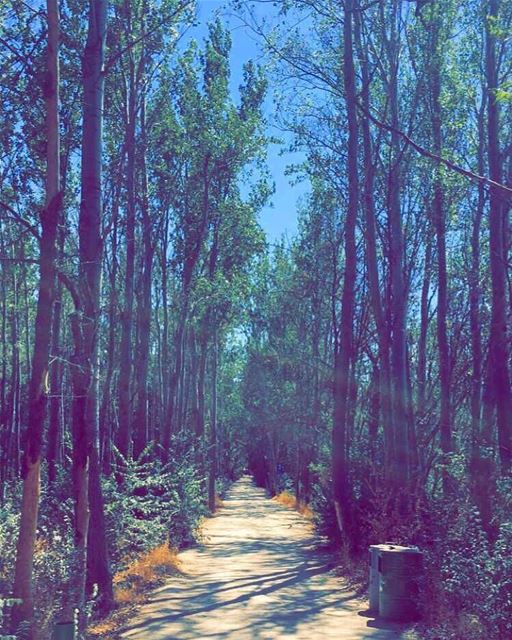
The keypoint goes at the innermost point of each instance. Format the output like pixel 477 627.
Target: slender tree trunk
pixel 482 465
pixel 81 377
pixel 106 417
pixel 201 401
pixel 193 245
pixel 38 389
pixel 164 351
pixel 421 374
pixel 213 425
pixel 412 433
pixel 498 346
pixel 474 298
pixel 438 210
pixel 98 560
pixel 384 370
pixel 343 498
pixel 14 445
pixel 125 350
pixel 26 308
pixel 396 251
pixel 194 383
pixel 87 469
pixel 144 312
pixel 4 409
pixel 179 336
pixel 55 422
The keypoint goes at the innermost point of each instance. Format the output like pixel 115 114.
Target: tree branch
pixel 428 154
pixel 73 291
pixel 18 218
pixel 110 63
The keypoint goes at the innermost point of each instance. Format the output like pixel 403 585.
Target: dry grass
pixel 286 499
pixel 144 573
pixel 132 585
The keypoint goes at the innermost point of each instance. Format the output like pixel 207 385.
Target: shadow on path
pixel 258 575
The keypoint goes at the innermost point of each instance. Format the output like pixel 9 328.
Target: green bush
pixel 502 577
pixel 9 524
pixel 153 504
pixel 467 565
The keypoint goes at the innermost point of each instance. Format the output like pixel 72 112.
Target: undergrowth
pixel 132 585
pixel 466 591
pixel 286 499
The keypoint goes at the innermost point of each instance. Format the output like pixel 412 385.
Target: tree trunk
pixel 193 244
pixel 343 497
pixel 498 347
pixel 38 389
pixel 398 286
pixel 482 464
pixel 54 427
pixel 438 205
pixel 383 402
pixel 125 350
pixel 213 426
pixel 87 470
pixel 106 417
pixel 421 371
pixel 143 312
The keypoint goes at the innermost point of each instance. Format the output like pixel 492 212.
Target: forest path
pixel 258 575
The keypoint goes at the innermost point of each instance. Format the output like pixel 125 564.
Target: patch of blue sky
pixel 279 217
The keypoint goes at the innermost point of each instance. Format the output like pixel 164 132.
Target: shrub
pixel 154 504
pixel 502 577
pixel 466 567
pixel 9 524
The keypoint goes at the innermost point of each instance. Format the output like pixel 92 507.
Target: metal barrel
pixel 374 582
pixel 64 631
pixel 400 570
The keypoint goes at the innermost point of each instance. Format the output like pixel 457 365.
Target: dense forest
pixel 155 344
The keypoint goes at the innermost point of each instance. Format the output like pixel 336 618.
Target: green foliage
pixel 9 523
pixel 322 503
pixel 6 603
pixel 466 589
pixel 53 549
pixel 154 504
pixel 501 605
pixel 466 566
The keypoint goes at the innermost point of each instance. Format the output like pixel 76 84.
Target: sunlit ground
pixel 258 574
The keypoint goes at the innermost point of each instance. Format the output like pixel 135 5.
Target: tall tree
pixel 498 347
pixel 439 219
pixel 39 385
pixel 88 490
pixel 343 497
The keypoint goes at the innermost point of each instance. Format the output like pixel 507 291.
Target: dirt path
pixel 257 576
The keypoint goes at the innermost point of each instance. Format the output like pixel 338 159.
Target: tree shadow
pixel 255 582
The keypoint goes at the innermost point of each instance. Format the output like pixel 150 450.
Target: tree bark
pixel 55 422
pixel 438 206
pixel 38 389
pixel 106 417
pixel 396 252
pixel 498 347
pixel 87 469
pixel 213 426
pixel 125 350
pixel 143 312
pixel 421 372
pixel 342 492
pixel 383 402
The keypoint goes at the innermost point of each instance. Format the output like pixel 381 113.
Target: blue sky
pixel 281 217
